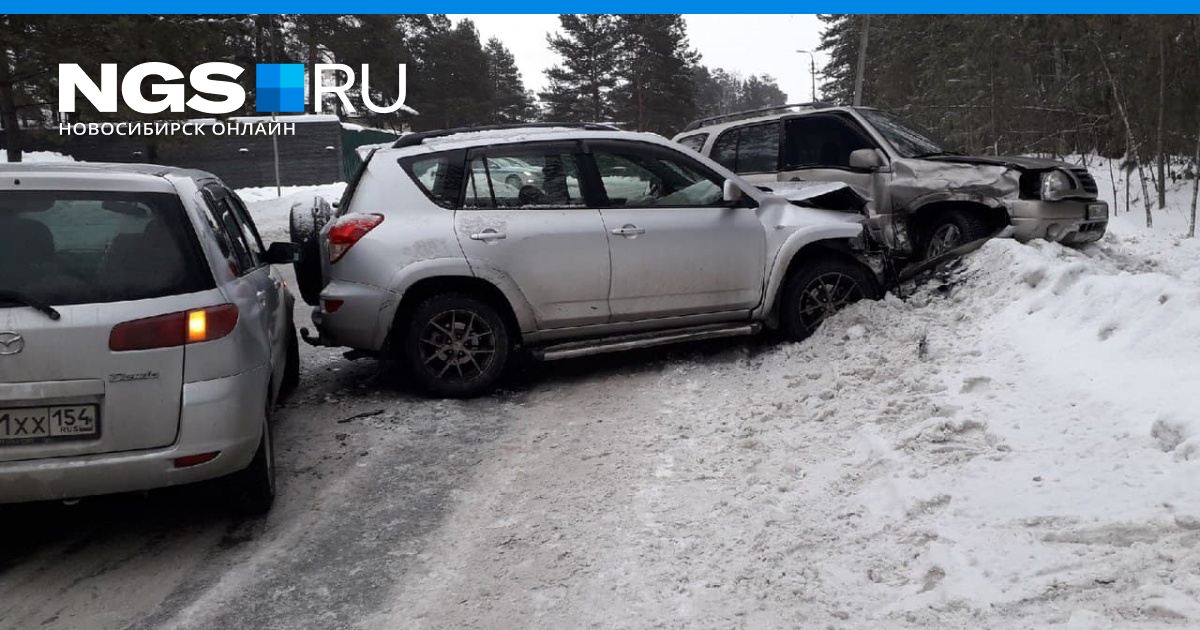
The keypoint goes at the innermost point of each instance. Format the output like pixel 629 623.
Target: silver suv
pixel 926 200
pixel 144 336
pixel 615 240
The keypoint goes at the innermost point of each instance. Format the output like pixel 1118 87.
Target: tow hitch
pixel 310 339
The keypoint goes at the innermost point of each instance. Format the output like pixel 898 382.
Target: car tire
pixel 514 181
pixel 953 229
pixel 254 487
pixel 456 345
pixel 291 368
pixel 820 288
pixel 304 228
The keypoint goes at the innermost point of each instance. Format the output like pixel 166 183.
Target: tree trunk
pixel 8 111
pixel 313 58
pixel 1162 106
pixel 1131 144
pixel 1112 179
pixel 862 60
pixel 1195 187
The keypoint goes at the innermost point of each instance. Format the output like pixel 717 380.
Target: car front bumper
pixel 220 415
pixel 1060 221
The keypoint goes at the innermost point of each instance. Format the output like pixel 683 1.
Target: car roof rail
pixel 413 139
pixel 751 113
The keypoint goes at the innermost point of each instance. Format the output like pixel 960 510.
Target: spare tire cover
pixel 304 225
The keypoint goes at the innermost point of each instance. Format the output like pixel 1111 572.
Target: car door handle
pixel 629 230
pixel 488 235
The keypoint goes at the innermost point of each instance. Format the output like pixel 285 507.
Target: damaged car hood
pixel 1015 162
pixel 837 196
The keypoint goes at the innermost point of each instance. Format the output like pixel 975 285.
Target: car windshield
pixel 80 247
pixel 909 140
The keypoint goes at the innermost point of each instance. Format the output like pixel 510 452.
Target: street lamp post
pixel 812 60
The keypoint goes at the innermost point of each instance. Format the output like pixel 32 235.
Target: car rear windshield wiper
pixel 21 298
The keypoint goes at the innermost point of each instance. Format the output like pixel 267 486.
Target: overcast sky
pixel 749 44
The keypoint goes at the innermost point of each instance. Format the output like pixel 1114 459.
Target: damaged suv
pixel 925 200
pixel 615 240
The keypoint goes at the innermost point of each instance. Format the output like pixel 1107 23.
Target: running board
pixel 619 343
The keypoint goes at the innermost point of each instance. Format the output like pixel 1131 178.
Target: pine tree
pixel 453 62
pixel 581 87
pixel 657 91
pixel 511 102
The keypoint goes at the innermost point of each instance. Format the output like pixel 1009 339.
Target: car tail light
pixel 174 329
pixel 347 231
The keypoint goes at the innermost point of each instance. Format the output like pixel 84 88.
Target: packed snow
pixel 271 207
pixel 1013 445
pixel 38 156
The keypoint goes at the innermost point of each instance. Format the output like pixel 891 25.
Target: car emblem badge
pixel 11 343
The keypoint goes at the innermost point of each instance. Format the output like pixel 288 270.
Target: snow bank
pixel 1015 447
pixel 38 156
pixel 272 211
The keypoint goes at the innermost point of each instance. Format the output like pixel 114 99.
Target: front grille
pixel 1092 227
pixel 1086 181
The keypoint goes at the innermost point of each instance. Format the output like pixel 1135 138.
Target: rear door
pixel 751 151
pixel 77 267
pixel 545 235
pixel 676 247
pixel 257 289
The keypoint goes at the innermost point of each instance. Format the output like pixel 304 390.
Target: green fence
pixel 352 139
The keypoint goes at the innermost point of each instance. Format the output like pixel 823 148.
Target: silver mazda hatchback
pixel 144 335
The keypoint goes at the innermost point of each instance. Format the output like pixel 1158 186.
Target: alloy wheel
pixel 457 345
pixel 944 239
pixel 825 295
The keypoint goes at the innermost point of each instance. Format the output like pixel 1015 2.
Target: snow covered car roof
pixel 465 138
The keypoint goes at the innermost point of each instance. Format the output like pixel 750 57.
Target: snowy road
pixel 1015 449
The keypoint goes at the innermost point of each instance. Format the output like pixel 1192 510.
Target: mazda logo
pixel 11 343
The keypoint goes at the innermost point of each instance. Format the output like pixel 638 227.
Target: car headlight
pixel 1055 185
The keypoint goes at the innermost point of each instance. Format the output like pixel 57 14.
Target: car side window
pixel 724 151
pixel 247 227
pixel 749 149
pixel 758 149
pixel 636 177
pixel 523 177
pixel 822 141
pixel 694 142
pixel 228 232
pixel 438 175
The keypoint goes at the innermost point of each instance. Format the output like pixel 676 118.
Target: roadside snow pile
pixel 1022 448
pixel 38 156
pixel 1015 448
pixel 271 211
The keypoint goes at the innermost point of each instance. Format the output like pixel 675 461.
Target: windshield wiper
pixel 21 298
pixel 935 154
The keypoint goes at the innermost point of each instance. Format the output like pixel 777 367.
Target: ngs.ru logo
pixel 279 88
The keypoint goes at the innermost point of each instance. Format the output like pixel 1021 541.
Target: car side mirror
pixel 731 193
pixel 283 253
pixel 865 159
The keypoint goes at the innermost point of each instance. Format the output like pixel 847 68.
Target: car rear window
pixel 81 247
pixel 439 175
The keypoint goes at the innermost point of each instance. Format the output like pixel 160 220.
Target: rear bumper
pixel 361 321
pixel 222 415
pixel 1061 221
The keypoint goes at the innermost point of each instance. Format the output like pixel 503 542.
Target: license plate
pixel 1097 211
pixel 18 424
